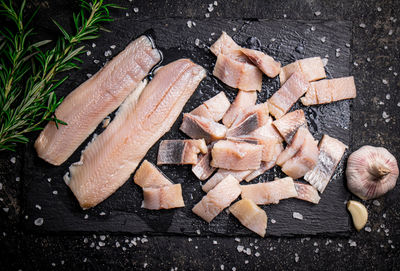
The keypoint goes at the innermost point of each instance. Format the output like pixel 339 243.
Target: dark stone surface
pixel 375 53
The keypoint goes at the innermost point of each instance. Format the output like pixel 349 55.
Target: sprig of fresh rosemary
pixel 28 74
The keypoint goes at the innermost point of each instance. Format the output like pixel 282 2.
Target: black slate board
pixel 286 41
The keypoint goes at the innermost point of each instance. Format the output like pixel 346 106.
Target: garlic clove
pixel 359 214
pixel 371 172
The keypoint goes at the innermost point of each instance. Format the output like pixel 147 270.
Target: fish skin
pixel 294 147
pixel 222 174
pixel 165 197
pixel 269 192
pixel 330 90
pixel 307 192
pixel 214 108
pixel 243 100
pixel 264 62
pixel 331 151
pixel 180 152
pixel 250 215
pixel 236 155
pixel 108 162
pixel 86 106
pixel 312 69
pixel 249 120
pixel 282 100
pixel 198 127
pixel 148 175
pixel 217 199
pixel 289 123
pixel 203 169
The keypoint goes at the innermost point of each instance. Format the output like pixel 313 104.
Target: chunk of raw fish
pixel 222 174
pixel 110 159
pixel 307 192
pixel 291 149
pixel 236 155
pixel 243 101
pixel 269 192
pixel 199 127
pixel 331 152
pixel 165 197
pixel 214 108
pixel 180 152
pixel 250 215
pixel 203 169
pixel 85 107
pixel 312 69
pixel 264 62
pixel 282 100
pixel 249 120
pixel 330 90
pixel 289 123
pixel 148 175
pixel 217 199
pixel 224 45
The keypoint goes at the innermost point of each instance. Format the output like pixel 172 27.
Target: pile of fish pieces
pixel 249 141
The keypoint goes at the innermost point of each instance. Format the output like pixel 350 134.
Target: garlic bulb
pixel 371 172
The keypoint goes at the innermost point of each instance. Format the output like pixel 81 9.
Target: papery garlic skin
pixel 371 172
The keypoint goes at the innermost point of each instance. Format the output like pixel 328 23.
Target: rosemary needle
pixel 28 74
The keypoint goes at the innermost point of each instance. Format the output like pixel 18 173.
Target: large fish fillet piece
pixel 108 162
pixel 85 107
pixel 311 68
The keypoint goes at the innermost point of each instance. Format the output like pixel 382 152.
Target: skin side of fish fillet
pixel 108 162
pixel 85 107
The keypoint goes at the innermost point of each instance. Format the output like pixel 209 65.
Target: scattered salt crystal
pixel 96 61
pixel 136 10
pixel 6 209
pixel 384 81
pixel 102 213
pixel 284 15
pixel 240 248
pixel 248 251
pixel 88 53
pixel 368 229
pixel 210 8
pixel 381 245
pixel 368 59
pixel 198 232
pixel 102 244
pixel 26 217
pixel 197 42
pixel 337 54
pixel 390 241
pixel 55 192
pixel 323 39
pixel 296 258
pixel 273 221
pixel 215 3
pixel 392 246
pixel 102 237
pixel 145 265
pixel 93 45
pixel 386 230
pixel 89 75
pixel 246 261
pixel 390 32
pixel 316 250
pixel 190 239
pixel 85 240
pixel 362 25
pixel 215 242
pixel 189 24
pixel 123 248
pixel 234 29
pixel 13 160
pixel 395 73
pixel 379 9
pixel 222 267
pixel 107 53
pixel 325 61
pixel 113 47
pixel 1 186
pixel 384 115
pixel 207 15
pixel 353 244
pixel 317 13
pixel 348 45
pixel 365 125
pixel 196 247
pixel 127 14
pixel 384 215
pixel 233 268
pixel 237 239
pixel 315 244
pixel 38 207
pixel 144 240
pixel 385 47
pixel 257 254
pixel 313 28
pixel 49 180
pixel 85 260
pixel 355 64
pixel 53 264
pixel 92 245
pixel 117 244
pixel 38 221
pixel 86 216
pixel 376 202
pixel 297 215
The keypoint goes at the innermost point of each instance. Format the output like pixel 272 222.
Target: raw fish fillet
pixel 203 169
pixel 312 69
pixel 331 152
pixel 330 90
pixel 250 215
pixel 249 120
pixel 282 100
pixel 85 107
pixel 222 174
pixel 236 155
pixel 243 101
pixel 149 175
pixel 166 197
pixel 264 62
pixel 108 162
pixel 224 45
pixel 269 192
pixel 180 152
pixel 199 127
pixel 291 149
pixel 237 74
pixel 289 123
pixel 217 199
pixel 214 108
pixel 307 192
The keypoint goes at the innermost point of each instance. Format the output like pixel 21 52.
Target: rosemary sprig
pixel 28 74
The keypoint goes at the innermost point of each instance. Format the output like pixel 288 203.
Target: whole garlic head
pixel 371 172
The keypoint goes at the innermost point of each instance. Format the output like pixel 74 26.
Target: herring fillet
pixel 108 162
pixel 85 107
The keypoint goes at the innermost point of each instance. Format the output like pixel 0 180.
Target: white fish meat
pixel 222 174
pixel 214 108
pixel 264 62
pixel 289 123
pixel 202 169
pixel 243 101
pixel 311 68
pixel 198 127
pixel 165 197
pixel 148 175
pixel 307 192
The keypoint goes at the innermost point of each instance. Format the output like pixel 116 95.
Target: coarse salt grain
pixel 86 216
pixel 55 192
pixel 222 267
pixel 207 15
pixel 113 47
pixel 390 32
pixel 197 42
pixel 88 53
pixel 37 206
pixel 385 115
pixel 246 261
pixel 348 45
pixel 313 28
pixel 240 248
pixel 368 59
pixel 107 53
pixel 296 258
pixel 13 160
pixel 323 39
pixel 368 229
pixel 198 232
pixel 362 25
pixel 127 14
pixel 273 221
pixel 237 239
pixel 297 215
pixel 379 9
pixel 189 24
pixel 102 237
pixel 93 45
pixel 215 242
pixel 6 209
pixel 38 221
pixel 102 213
pixel 376 203
pixel 325 61
pixel 355 64
pixel 210 8
pixel 136 10
pixel 317 13
pixel 145 265
pixel 384 81
pixel 257 254
pixel 215 3
pixel 102 244
pixel 96 61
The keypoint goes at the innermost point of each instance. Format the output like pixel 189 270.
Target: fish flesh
pixel 289 123
pixel 307 192
pixel 237 74
pixel 198 127
pixel 291 149
pixel 85 107
pixel 165 197
pixel 214 108
pixel 269 192
pixel 249 120
pixel 109 160
pixel 224 45
pixel 148 175
pixel 203 169
pixel 236 155
pixel 311 68
pixel 180 152
pixel 217 199
pixel 243 100
pixel 304 159
pixel 331 151
pixel 250 215
pixel 264 62
pixel 222 174
pixel 282 100
pixel 330 90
